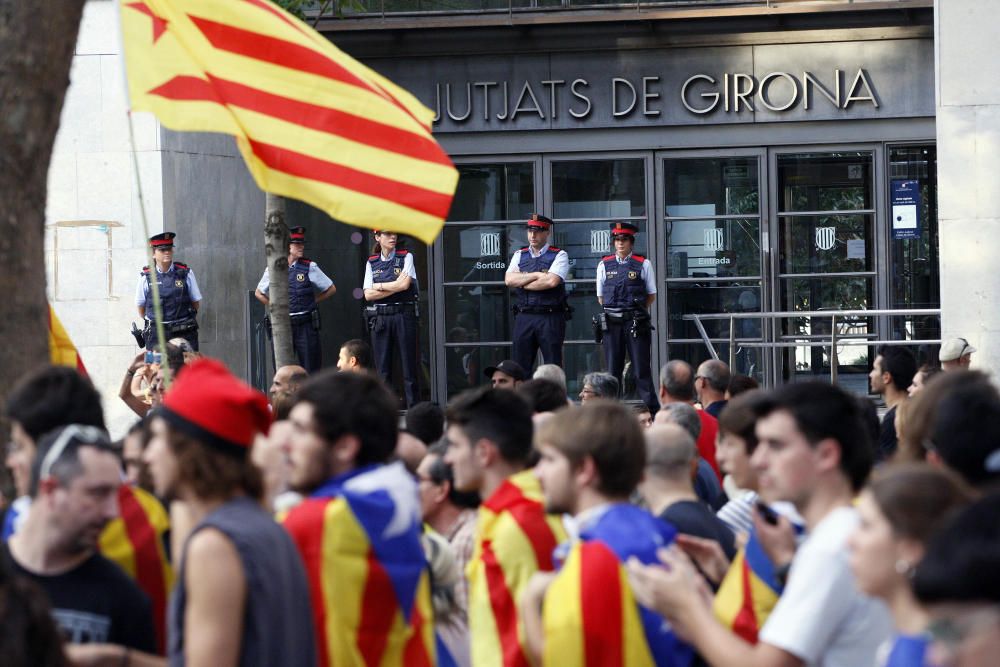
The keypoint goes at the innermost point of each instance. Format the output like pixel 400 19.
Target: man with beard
pixel 74 488
pixel 358 530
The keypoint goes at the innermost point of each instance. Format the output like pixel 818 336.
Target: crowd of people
pixel 726 525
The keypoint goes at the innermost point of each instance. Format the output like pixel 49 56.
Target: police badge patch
pixel 632 275
pixel 178 283
pixel 397 270
pixel 301 277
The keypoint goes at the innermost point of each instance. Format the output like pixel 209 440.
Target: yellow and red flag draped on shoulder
pixel 135 541
pixel 590 616
pixel 748 592
pixel 514 539
pixel 62 352
pixel 359 537
pixel 311 122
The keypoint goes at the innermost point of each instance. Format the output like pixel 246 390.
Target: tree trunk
pixel 36 50
pixel 276 246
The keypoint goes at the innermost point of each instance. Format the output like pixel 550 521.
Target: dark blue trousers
pixel 191 336
pixel 617 339
pixel 398 331
pixel 539 331
pixel 305 340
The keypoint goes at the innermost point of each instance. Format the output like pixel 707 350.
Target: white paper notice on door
pixel 855 249
pixel 904 216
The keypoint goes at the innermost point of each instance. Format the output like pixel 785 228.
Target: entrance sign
pixel 905 209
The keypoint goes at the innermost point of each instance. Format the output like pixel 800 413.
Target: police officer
pixel 391 289
pixel 537 274
pixel 307 286
pixel 626 287
pixel 179 294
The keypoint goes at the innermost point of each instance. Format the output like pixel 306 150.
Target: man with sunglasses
pixel 74 490
pixel 955 353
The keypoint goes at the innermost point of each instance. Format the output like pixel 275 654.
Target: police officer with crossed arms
pixel 392 292
pixel 537 274
pixel 307 286
pixel 626 288
pixel 179 295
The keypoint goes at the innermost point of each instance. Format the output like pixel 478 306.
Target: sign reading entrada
pixel 732 93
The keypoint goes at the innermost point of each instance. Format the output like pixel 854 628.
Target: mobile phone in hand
pixel 152 357
pixel 766 513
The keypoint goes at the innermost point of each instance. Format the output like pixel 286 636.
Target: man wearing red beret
pixel 241 596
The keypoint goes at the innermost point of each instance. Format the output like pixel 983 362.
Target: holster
pixel 140 338
pixel 600 324
pixel 316 323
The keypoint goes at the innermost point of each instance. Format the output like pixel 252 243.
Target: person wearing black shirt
pixel 668 487
pixel 74 489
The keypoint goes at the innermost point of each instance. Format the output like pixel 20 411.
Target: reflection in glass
pixel 852 293
pixel 747 361
pixel 825 182
pixel 598 188
pixel 803 364
pixel 477 313
pixel 725 297
pixel 466 364
pixel 494 192
pixel 916 280
pixel 479 252
pixel 713 248
pixel 717 186
pixel 829 244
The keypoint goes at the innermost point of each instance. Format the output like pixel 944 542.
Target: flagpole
pixel 154 284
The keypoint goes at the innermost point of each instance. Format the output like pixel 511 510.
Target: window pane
pixel 803 364
pixel 466 365
pixel 916 281
pixel 724 297
pixel 598 189
pixel 713 248
pixel 583 300
pixel 825 182
pixel 477 313
pixel 494 192
pixel 826 293
pixel 479 252
pixel 830 244
pixel 723 186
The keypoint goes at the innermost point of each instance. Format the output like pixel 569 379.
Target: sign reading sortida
pixel 766 83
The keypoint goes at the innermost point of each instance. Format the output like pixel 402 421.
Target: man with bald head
pixel 286 381
pixel 677 386
pixel 671 462
pixel 710 383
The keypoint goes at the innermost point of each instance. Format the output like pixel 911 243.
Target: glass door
pixel 712 242
pixel 825 261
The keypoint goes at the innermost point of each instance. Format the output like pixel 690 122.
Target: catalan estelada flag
pixel 590 616
pixel 311 122
pixel 62 352
pixel 514 539
pixel 135 541
pixel 748 592
pixel 359 537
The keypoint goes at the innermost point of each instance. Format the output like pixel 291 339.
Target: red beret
pixel 209 404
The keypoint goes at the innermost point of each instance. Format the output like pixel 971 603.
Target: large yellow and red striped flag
pixel 311 122
pixel 135 541
pixel 514 539
pixel 62 352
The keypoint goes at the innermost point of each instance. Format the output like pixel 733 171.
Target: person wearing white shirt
pixel 626 288
pixel 180 297
pixel 537 274
pixel 307 286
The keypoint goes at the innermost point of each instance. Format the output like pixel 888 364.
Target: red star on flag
pixel 159 24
